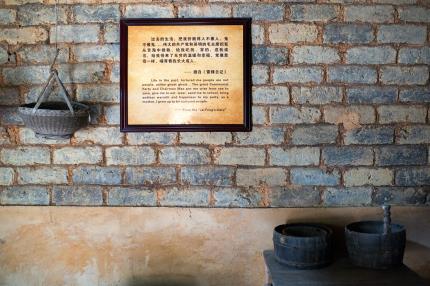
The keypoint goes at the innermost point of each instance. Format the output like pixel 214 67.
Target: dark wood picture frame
pixel 247 62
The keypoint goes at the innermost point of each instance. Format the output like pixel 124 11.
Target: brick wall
pixel 340 109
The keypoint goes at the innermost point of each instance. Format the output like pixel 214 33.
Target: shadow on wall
pixel 164 280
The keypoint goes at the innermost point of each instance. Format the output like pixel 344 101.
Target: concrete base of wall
pixel 166 246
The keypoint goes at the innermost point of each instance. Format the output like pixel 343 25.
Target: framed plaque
pixel 185 74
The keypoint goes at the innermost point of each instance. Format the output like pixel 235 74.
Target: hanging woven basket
pixel 54 120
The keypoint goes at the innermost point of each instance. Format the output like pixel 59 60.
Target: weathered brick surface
pixel 409 34
pixel 123 196
pixel 357 196
pixel 347 156
pixel 368 176
pixel 150 175
pixel 340 107
pixel 235 197
pixel 66 195
pixel 130 155
pixel 316 95
pixel 314 135
pixel 210 175
pixel 296 156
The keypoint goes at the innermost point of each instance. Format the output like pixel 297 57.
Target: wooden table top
pixel 340 272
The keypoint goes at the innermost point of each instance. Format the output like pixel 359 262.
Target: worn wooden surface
pixel 341 272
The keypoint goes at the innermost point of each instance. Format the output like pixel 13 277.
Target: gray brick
pixel 112 114
pixel 395 2
pixel 358 196
pixel 6 176
pixel 25 75
pixel 257 34
pixel 194 11
pixel 21 2
pixel 240 156
pixel 367 176
pixel 25 156
pixel 111 33
pixel 184 155
pixel 263 176
pixel 371 13
pixel 93 53
pixel 96 13
pixel 418 134
pixel 25 35
pixel 414 14
pixel 209 138
pixel 351 116
pixel 188 197
pixel 121 196
pixel 413 176
pixel 348 33
pixel 258 115
pixel 114 76
pixel 314 177
pixel 148 11
pixel 352 74
pixel 79 196
pixel 42 54
pixel 298 74
pixel 316 95
pixel 150 175
pixel 95 175
pixel 311 13
pixel 99 135
pixel 81 73
pixel 292 33
pixel 402 113
pixel 77 155
pixel 314 135
pixel 260 74
pixel 269 55
pixel 42 175
pixel 315 55
pixel 207 175
pixel 295 197
pixel 31 15
pixel 407 34
pixel 414 55
pixel 235 197
pixel 301 156
pixel 371 55
pixel 4 56
pixel 371 94
pixel 100 93
pixel 400 196
pixel 9 115
pixel 416 94
pixel 271 95
pixel 347 156
pixel 165 138
pixel 129 155
pixel 369 135
pixel 7 16
pixel 404 75
pixel 294 115
pixel 9 96
pixel 4 136
pixel 24 196
pixel 75 34
pixel 261 136
pixel 260 12
pixel 401 155
pixel 27 136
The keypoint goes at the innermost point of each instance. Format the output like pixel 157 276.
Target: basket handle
pixel 43 94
